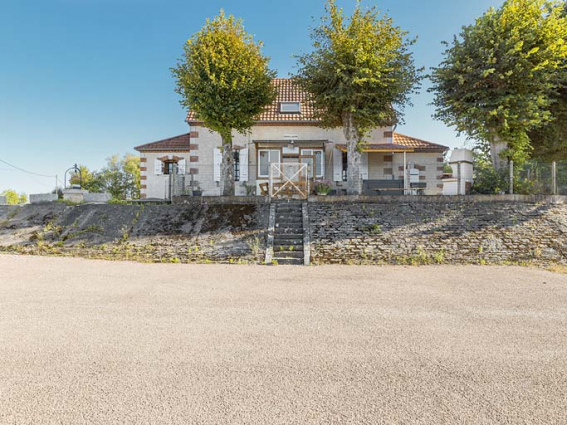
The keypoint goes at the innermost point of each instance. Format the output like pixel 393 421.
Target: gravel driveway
pixel 125 343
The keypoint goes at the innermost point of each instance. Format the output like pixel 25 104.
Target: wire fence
pixel 543 178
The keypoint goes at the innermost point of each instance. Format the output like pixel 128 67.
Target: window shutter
pixel 158 167
pixel 217 160
pixel 322 171
pixel 337 165
pixel 182 166
pixel 364 166
pixel 243 165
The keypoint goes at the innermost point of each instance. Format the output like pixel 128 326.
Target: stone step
pixel 297 243
pixel 289 207
pixel 289 261
pixel 279 234
pixel 296 213
pixel 286 255
pixel 288 240
pixel 297 217
pixel 288 231
pixel 289 225
pixel 287 248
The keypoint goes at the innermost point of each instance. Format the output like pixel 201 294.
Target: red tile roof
pixel 401 143
pixel 173 144
pixel 417 144
pixel 379 147
pixel 287 92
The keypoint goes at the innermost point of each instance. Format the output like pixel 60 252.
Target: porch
pixel 290 169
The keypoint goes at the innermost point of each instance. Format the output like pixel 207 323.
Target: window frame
pixel 269 150
pixel 320 173
pixel 282 111
pixel 166 164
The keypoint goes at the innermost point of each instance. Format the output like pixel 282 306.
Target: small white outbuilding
pixel 462 178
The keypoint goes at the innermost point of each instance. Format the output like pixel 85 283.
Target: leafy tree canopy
pixel 13 198
pixel 550 141
pixel 360 66
pixel 120 177
pixel 225 80
pixel 498 78
pixel 360 75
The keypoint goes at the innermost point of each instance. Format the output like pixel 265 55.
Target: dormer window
pixel 290 107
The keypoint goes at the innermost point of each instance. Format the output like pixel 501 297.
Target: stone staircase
pixel 289 233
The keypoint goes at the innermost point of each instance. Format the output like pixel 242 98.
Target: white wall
pixel 157 186
pixel 208 140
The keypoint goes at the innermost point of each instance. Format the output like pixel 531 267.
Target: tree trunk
pixel 227 167
pixel 497 146
pixel 354 157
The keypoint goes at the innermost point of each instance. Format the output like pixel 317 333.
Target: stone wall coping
pixel 228 200
pixel 440 199
pixel 405 199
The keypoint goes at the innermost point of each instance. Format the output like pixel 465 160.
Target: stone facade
pixel 308 136
pixel 438 230
pixel 3 200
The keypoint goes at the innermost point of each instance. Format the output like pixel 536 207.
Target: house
pixel 287 133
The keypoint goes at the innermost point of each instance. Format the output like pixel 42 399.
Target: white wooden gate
pixel 289 180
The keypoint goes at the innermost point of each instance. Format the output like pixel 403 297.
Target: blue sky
pixel 81 80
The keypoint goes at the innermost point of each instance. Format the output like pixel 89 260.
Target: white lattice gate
pixel 289 180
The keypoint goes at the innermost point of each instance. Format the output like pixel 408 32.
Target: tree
pixel 88 180
pixel 132 175
pixel 550 141
pixel 225 80
pixel 121 177
pixel 13 198
pixel 360 75
pixel 498 78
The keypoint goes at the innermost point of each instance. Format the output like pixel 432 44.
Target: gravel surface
pixel 125 343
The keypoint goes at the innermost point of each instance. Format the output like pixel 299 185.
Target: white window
pixel 318 161
pixel 290 107
pixel 265 158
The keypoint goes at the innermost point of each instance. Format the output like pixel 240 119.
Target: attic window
pixel 290 107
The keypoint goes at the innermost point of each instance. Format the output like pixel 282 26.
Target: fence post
pixel 554 178
pixel 511 177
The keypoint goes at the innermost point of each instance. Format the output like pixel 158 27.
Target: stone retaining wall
pixel 177 233
pixel 424 230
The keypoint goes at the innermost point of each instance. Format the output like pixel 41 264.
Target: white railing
pixel 289 180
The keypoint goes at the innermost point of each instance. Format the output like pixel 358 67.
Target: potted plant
pixel 322 187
